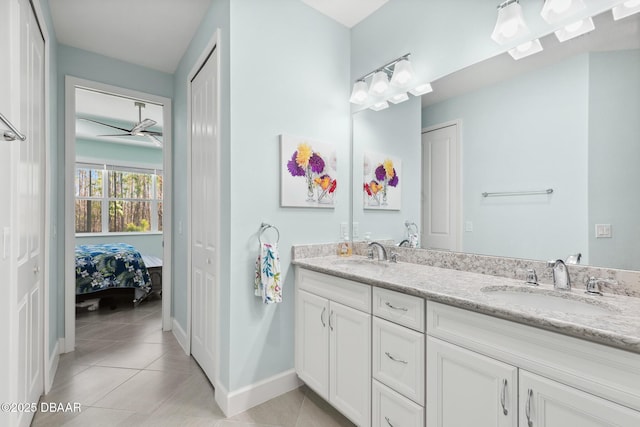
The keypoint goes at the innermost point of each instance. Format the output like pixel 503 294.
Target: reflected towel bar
pixel 518 193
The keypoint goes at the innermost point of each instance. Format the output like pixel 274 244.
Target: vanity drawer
pixel 393 409
pixel 398 359
pixel 399 308
pixel 347 292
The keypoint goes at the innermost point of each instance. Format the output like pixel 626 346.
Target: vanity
pixel 412 345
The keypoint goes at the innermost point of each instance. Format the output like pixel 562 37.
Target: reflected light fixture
pixel 421 89
pixel 510 24
pixel 555 11
pixel 379 106
pixel 359 94
pixel 397 99
pixel 379 83
pixel 625 9
pixel 402 73
pixel 575 29
pixel 525 49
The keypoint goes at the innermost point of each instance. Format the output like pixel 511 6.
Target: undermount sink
pixel 546 299
pixel 361 262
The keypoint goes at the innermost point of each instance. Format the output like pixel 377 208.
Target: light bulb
pixel 402 73
pixel 560 6
pixel 525 46
pixel 359 94
pixel 379 83
pixel 573 27
pixel 632 3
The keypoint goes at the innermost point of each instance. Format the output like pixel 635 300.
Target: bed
pixel 114 269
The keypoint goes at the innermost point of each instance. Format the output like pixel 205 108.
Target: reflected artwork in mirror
pixel 565 118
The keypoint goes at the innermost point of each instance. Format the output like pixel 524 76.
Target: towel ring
pixel 264 227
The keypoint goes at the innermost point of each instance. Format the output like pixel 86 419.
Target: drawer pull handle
pixel 394 359
pixel 388 304
pixel 527 408
pixel 324 310
pixel 388 422
pixel 503 397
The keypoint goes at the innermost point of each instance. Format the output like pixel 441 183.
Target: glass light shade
pixel 556 10
pixel 379 106
pixel 402 73
pixel 379 83
pixel 575 29
pixel 397 99
pixel 359 94
pixel 526 49
pixel 626 9
pixel 421 89
pixel 510 24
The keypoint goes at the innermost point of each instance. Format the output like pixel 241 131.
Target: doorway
pixel 115 197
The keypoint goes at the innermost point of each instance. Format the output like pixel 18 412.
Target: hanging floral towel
pixel 267 280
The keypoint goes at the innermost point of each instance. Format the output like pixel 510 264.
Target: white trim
pixel 252 395
pixel 214 43
pixel 181 335
pixel 458 124
pixel 52 367
pixel 69 217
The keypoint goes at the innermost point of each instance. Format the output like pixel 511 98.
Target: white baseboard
pixel 181 335
pixel 252 395
pixel 52 365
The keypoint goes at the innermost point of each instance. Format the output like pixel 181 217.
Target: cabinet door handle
pixel 330 324
pixel 394 359
pixel 503 397
pixel 388 422
pixel 324 310
pixel 388 304
pixel 527 408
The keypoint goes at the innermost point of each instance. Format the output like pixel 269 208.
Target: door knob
pixel 36 269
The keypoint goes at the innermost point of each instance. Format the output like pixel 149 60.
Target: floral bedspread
pixel 116 265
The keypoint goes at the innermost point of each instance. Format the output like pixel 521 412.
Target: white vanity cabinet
pixel 398 359
pixel 487 371
pixel 333 341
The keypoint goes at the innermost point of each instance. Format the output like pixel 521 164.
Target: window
pixel 116 199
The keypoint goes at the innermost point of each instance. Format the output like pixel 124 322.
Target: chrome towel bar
pixel 13 133
pixel 263 227
pixel 518 193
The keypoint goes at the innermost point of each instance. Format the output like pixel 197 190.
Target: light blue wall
pixel 526 133
pixel 112 153
pixel 217 17
pixel 98 68
pixel 391 132
pixel 614 150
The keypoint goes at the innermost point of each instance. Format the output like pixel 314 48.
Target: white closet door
pixel 440 189
pixel 204 213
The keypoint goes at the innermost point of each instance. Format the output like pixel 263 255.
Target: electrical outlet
pixel 356 230
pixel 468 226
pixel 344 229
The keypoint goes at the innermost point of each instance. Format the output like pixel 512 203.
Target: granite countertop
pixel 614 322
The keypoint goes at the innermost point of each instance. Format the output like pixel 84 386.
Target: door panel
pixel 204 213
pixel 312 341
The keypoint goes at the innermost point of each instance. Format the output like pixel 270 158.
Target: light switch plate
pixel 603 231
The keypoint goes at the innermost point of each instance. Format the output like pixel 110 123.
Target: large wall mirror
pixel 566 119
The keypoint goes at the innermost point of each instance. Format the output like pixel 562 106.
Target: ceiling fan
pixel 139 129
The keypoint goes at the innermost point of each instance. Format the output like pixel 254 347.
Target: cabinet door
pixel 350 361
pixel 547 403
pixel 465 388
pixel 312 341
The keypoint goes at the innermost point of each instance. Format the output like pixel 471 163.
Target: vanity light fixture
pixel 625 9
pixel 359 94
pixel 379 106
pixel 557 10
pixel 421 89
pixel 574 30
pixel 401 97
pixel 525 49
pixel 379 83
pixel 402 73
pixel 510 24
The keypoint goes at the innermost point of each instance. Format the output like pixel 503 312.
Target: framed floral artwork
pixel 308 176
pixel 382 178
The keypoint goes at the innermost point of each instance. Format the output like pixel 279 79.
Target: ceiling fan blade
pixel 105 124
pixel 118 134
pixel 143 125
pixel 155 140
pixel 151 133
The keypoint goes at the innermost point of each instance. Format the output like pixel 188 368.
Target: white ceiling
pixel 347 12
pixel 151 33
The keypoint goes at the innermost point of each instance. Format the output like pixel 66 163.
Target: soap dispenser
pixel 344 247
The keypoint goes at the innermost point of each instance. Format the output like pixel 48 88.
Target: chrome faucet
pixel 561 278
pixel 382 252
pixel 594 285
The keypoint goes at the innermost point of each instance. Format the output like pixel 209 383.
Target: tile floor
pixel 127 372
